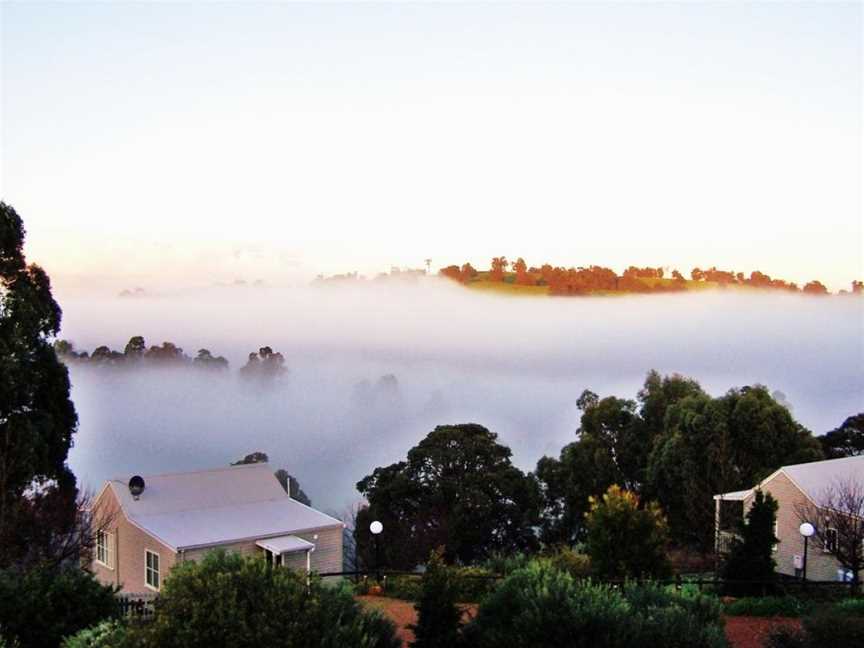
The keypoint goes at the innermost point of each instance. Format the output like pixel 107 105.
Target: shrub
pixel 768 606
pixel 752 557
pixel 784 637
pixel 503 564
pixel 625 540
pixel 108 634
pixel 578 565
pixel 541 606
pixel 473 584
pixel 851 607
pixel 438 617
pixel 839 625
pixel 832 628
pixel 231 600
pixel 41 606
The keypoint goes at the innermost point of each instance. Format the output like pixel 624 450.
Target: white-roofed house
pixel 181 516
pixel 794 487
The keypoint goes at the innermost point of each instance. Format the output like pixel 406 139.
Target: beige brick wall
pixel 129 544
pixel 820 565
pixel 327 556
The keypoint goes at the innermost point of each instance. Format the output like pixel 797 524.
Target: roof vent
pixel 136 486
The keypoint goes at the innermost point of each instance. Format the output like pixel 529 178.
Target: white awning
pixel 735 496
pixel 285 544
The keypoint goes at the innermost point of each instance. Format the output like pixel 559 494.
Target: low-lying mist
pixel 515 365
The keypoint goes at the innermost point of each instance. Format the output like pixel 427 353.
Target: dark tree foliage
pixel 716 445
pixel 264 366
pixel 41 606
pixel 459 490
pixel 438 616
pixel 752 554
pixel 614 443
pixel 37 417
pixel 846 440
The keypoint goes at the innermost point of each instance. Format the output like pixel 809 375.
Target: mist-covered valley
pixel 372 368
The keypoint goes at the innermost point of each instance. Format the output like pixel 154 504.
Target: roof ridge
pixel 197 472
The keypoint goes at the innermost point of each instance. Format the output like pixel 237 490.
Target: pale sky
pixel 150 143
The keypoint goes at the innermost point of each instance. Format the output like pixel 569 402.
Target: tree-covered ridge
pixel 264 365
pixel 592 280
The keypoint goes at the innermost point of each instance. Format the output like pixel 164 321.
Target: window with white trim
pixel 104 549
pixel 151 569
pixel 776 532
pixel 830 545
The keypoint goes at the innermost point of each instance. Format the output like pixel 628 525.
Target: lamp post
pixel 806 529
pixel 376 528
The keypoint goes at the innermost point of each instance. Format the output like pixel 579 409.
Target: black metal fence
pixel 141 606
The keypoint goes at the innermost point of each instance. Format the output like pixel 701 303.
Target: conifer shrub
pixel 438 616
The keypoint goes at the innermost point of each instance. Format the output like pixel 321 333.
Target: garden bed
pixel 742 632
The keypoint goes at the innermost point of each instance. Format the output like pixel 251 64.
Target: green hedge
pixel 540 606
pixel 768 606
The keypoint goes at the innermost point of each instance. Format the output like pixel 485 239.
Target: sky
pixel 158 144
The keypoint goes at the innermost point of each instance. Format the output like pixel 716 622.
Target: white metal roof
pixel 813 478
pixel 285 544
pixel 212 507
pixel 817 477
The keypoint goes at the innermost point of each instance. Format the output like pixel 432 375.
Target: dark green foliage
pixel 768 606
pixel 230 600
pixel 41 606
pixel 438 617
pixel 831 627
pixel 752 555
pixel 613 447
pixel 715 445
pixel 458 489
pixel 786 637
pixel 37 418
pixel 841 624
pixel 626 540
pixel 540 606
pixel 846 440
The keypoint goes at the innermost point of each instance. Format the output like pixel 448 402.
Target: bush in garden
pixel 768 606
pixel 108 634
pixel 231 600
pixel 831 627
pixel 752 556
pixel 841 624
pixel 503 563
pixel 541 606
pixel 438 617
pixel 626 540
pixel 578 565
pixel 41 606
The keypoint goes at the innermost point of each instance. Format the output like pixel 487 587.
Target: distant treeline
pixel 587 280
pixel 265 363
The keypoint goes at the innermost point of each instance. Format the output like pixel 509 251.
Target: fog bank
pixel 515 365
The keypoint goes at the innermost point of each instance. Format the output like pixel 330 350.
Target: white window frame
pixel 105 548
pixel 826 546
pixel 148 570
pixel 776 532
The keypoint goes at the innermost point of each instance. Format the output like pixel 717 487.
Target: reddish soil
pixel 742 632
pixel 750 632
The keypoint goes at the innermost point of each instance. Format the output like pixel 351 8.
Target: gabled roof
pixel 213 507
pixel 813 478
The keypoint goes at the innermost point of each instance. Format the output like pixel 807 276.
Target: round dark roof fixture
pixel 136 486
